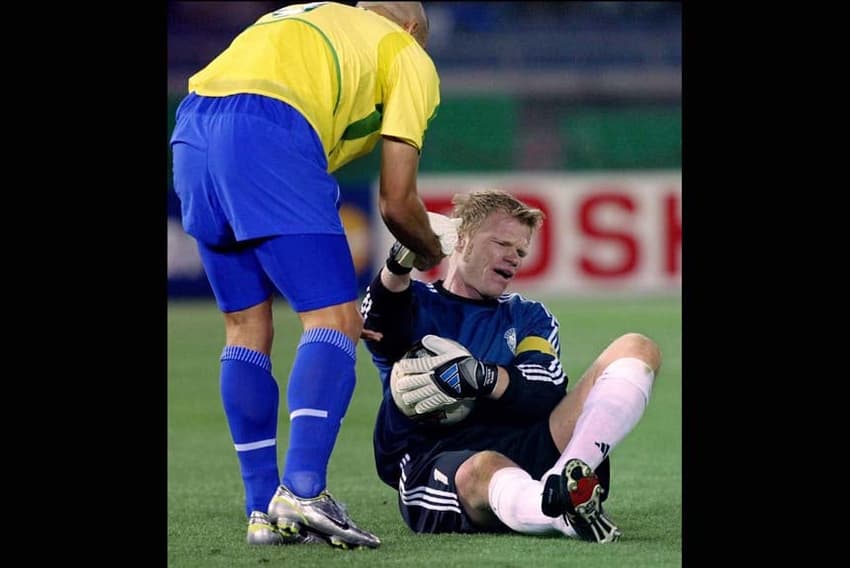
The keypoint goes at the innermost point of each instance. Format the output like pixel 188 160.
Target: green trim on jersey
pixel 433 116
pixel 336 59
pixel 364 126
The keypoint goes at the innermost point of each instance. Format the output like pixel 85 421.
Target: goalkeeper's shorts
pixel 427 493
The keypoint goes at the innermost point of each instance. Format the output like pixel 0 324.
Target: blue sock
pixel 250 396
pixel 320 387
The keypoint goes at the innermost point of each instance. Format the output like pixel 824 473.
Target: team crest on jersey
pixel 510 339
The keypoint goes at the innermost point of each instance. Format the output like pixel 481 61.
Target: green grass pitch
pixel 206 525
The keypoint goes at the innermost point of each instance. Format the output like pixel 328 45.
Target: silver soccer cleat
pixel 318 516
pixel 576 494
pixel 263 532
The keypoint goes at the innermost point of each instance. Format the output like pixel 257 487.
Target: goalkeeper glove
pixel 462 376
pixel 400 260
pixel 420 385
pixel 446 229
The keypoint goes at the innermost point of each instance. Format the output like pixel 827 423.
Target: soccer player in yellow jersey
pixel 298 94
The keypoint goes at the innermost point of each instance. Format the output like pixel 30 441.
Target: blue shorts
pixel 251 176
pixel 427 496
pixel 248 166
pixel 310 271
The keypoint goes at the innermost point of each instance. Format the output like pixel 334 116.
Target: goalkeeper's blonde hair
pixel 474 207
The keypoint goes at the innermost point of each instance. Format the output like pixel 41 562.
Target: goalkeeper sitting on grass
pixel 530 457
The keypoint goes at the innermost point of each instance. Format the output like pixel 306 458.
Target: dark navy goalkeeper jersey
pixel 511 331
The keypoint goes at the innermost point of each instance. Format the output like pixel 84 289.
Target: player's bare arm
pixel 401 207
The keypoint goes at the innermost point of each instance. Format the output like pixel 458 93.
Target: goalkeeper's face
pixel 490 258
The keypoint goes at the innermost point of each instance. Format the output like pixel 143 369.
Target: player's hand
pixel 426 263
pixel 446 230
pixel 371 335
pixel 416 394
pixel 422 384
pixel 401 260
pixel 462 375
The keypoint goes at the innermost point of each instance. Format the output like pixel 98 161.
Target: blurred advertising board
pixel 604 233
pixel 614 233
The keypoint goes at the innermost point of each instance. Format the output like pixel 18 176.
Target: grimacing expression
pixel 494 254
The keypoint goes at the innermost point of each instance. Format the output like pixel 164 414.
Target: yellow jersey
pixel 354 75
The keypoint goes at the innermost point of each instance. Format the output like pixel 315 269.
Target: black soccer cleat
pixel 576 494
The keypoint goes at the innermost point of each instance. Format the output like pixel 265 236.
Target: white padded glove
pixel 445 228
pixel 422 384
pixel 412 380
pixel 400 260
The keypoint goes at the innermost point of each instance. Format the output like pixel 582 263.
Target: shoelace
pixel 340 504
pixel 343 509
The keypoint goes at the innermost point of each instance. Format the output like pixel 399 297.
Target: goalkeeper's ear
pixel 442 346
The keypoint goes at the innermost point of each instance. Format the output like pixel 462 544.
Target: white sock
pixel 516 499
pixel 612 409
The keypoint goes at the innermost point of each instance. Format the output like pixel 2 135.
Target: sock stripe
pixel 239 353
pixel 332 336
pixel 255 445
pixel 308 412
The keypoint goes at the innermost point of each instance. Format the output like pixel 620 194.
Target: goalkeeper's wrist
pixel 396 268
pixel 486 376
pixel 477 378
pixel 400 260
